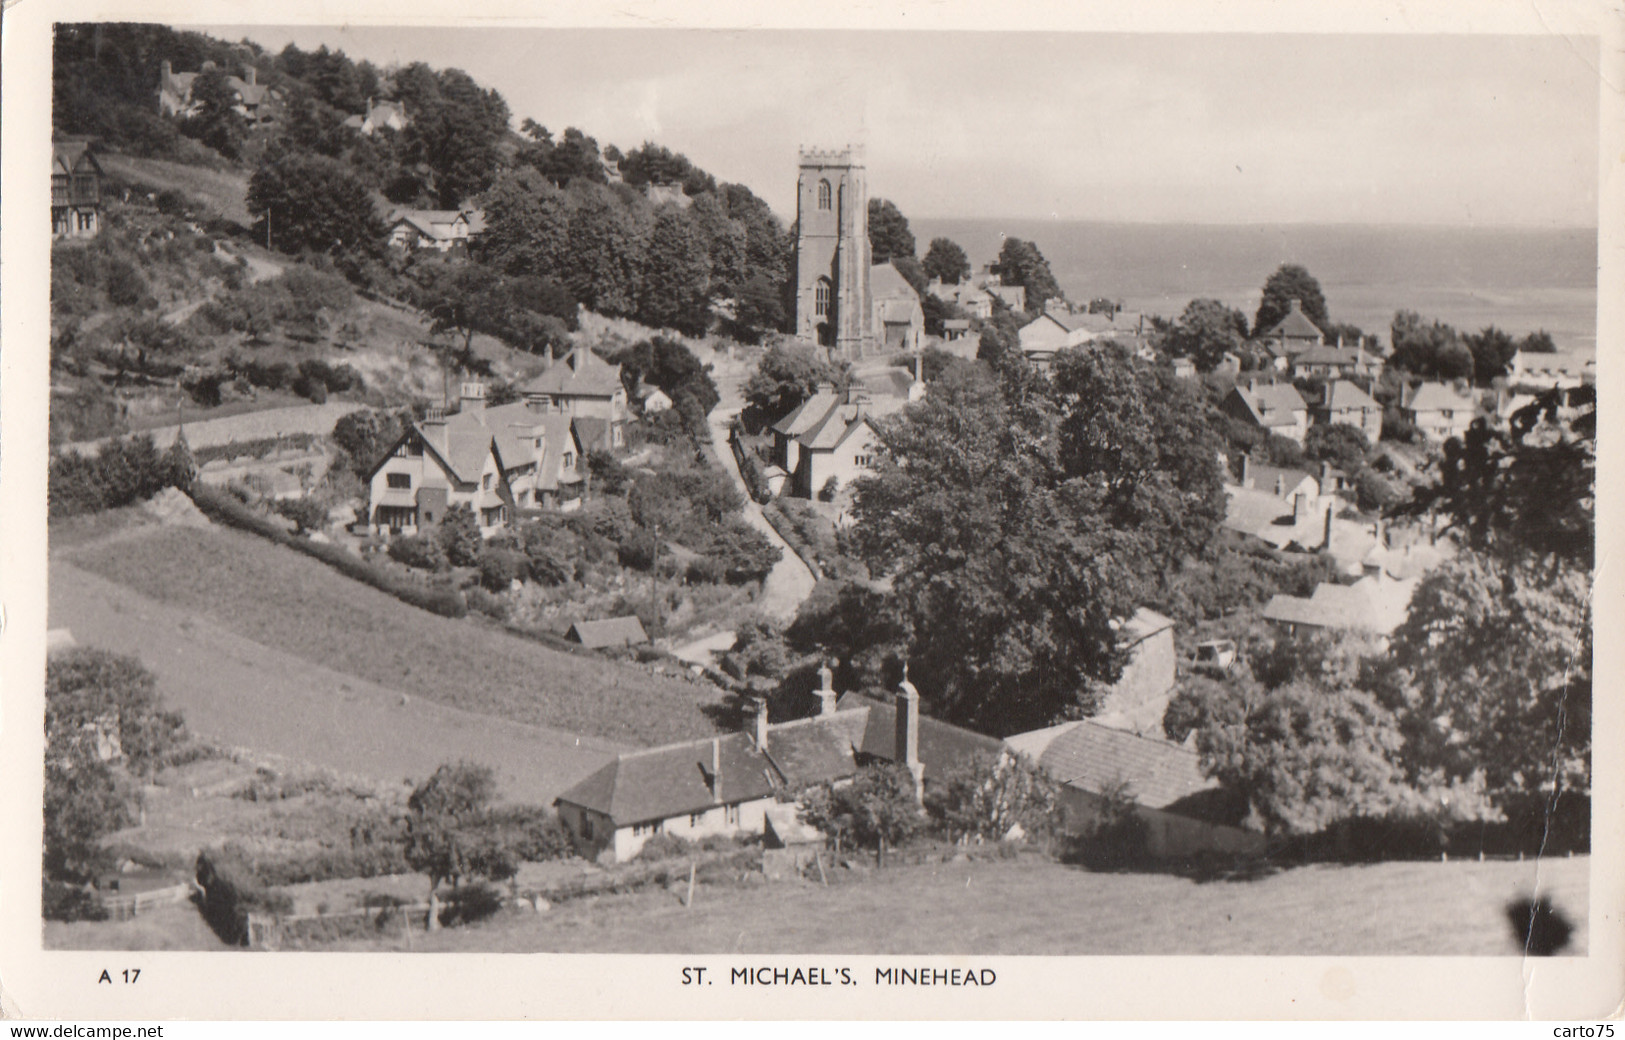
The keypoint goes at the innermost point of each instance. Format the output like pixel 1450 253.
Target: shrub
pixel 60 901
pixel 223 507
pixel 487 603
pixel 1282 451
pixel 231 892
pixel 459 536
pixel 664 847
pixel 743 553
pixel 306 513
pixel 469 903
pixel 530 832
pixel 416 550
pixel 609 476
pixel 499 568
pixel 831 487
pixel 123 472
pixel 171 202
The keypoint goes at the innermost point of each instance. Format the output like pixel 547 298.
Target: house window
pixel 821 299
pixel 823 195
pixel 695 818
pixel 657 827
pixel 400 480
pixel 486 484
pixel 1446 413
pixel 732 815
pixel 569 460
pixel 586 826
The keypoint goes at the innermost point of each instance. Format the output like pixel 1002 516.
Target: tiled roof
pixel 581 373
pixel 663 782
pixel 1321 354
pixel 944 747
pixel 816 750
pixel 618 631
pixel 66 155
pixel 592 432
pixel 808 413
pixel 841 422
pixel 1433 397
pixel 1272 404
pixel 1296 325
pixel 1345 395
pixel 1093 758
pixel 897 312
pixel 1268 478
pixel 885 281
pixel 1370 605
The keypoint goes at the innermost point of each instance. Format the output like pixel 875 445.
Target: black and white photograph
pixel 857 502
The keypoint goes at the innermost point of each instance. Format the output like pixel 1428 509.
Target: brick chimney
pixel 906 749
pixel 826 690
pixel 758 713
pixel 472 398
pixel 1295 306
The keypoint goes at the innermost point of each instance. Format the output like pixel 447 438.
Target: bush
pixel 421 551
pixel 530 832
pixel 306 513
pixel 1282 451
pixel 665 846
pixel 231 892
pixel 223 507
pixel 1395 427
pixel 469 903
pixel 742 552
pixel 499 568
pixel 487 603
pixel 60 901
pixel 459 536
pixel 831 487
pixel 123 472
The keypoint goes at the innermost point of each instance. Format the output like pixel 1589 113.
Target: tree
pixel 215 121
pixel 1303 755
pixel 312 202
pixel 989 798
pixel 307 513
pixel 1431 351
pixel 945 260
pixel 1491 350
pixel 459 536
pixel 666 363
pixel 606 251
pixel 364 435
pixel 1290 282
pixel 676 276
pixel 1494 679
pixel 758 309
pixel 447 833
pixel 1020 263
pixel 1206 331
pixel 786 375
pixel 94 695
pixel 527 225
pixel 455 131
pixel 1340 444
pixel 889 236
pixel 878 808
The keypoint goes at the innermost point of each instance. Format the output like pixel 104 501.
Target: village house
pixel 380 115
pixel 1293 334
pixel 1185 812
pixel 1283 507
pixel 76 190
pixel 1275 408
pixel 589 389
pixel 254 101
pixel 494 460
pixel 449 231
pixel 727 785
pixel 955 329
pixel 1328 362
pixel 1373 606
pixel 830 436
pixel 974 300
pixel 898 317
pixel 1344 402
pixel 1439 410
pixel 1012 296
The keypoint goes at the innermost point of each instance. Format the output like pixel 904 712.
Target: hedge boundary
pixel 223 507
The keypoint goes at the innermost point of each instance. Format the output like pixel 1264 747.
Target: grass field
pixel 287 602
pixel 220 190
pixel 1035 906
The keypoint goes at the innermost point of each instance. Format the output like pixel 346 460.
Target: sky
pixel 1208 128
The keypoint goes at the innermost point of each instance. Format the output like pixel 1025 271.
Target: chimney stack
pixel 253 75
pixel 758 710
pixel 1295 305
pixel 472 397
pixel 716 769
pixel 167 69
pixel 907 747
pixel 826 690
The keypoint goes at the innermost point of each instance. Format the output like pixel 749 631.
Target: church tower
pixel 832 252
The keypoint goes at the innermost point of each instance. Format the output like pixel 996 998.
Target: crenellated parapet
pixel 847 155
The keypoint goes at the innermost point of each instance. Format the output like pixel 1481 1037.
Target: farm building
pixel 1185 812
pixel 596 635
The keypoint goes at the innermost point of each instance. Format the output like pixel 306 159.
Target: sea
pixel 1518 279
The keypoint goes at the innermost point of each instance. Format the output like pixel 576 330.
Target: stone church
pixel 834 305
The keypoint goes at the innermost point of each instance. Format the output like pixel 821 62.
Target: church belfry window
pixel 821 298
pixel 823 195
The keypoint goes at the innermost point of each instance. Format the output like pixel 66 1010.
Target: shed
pixel 620 631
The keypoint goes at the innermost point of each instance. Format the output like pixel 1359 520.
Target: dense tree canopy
pixel 1290 282
pixel 889 236
pixel 786 375
pixel 312 202
pixel 1205 332
pixel 1020 263
pixel 675 282
pixel 1432 351
pixel 945 260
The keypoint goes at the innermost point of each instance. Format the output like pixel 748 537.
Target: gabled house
pixel 254 101
pixel 1283 507
pixel 830 435
pixel 608 632
pixel 972 299
pixel 727 785
pixel 444 230
pixel 76 190
pixel 1185 812
pixel 1275 408
pixel 1439 410
pixel 1294 333
pixel 380 115
pixel 1373 606
pixel 497 461
pixel 1344 402
pixel 899 320
pixel 587 388
pixel 1535 372
pixel 1329 362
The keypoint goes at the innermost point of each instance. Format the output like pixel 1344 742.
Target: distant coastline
pixel 1519 279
